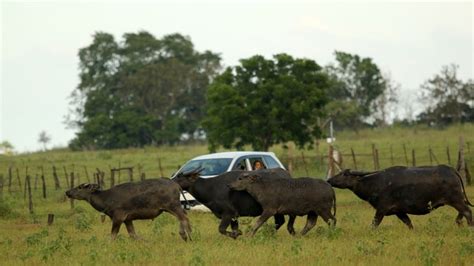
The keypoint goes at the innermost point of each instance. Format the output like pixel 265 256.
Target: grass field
pixel 79 237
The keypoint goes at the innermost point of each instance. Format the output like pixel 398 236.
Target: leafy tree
pixel 448 99
pixel 44 138
pixel 6 145
pixel 355 85
pixel 140 91
pixel 263 102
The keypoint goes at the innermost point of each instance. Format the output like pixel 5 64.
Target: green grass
pixel 79 237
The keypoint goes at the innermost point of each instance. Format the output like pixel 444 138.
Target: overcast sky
pixel 40 41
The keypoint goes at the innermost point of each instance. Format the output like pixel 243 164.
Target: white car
pixel 217 163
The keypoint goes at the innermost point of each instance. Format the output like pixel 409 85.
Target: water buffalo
pixel 135 201
pixel 226 204
pixel 407 190
pixel 300 196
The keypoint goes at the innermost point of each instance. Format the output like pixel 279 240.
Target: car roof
pixel 231 154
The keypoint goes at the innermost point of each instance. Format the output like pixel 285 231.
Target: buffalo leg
pixel 310 223
pixel 463 210
pixel 459 219
pixel 234 224
pixel 405 219
pixel 115 228
pixel 377 219
pixel 131 229
pixel 225 222
pixel 184 225
pixel 289 225
pixel 263 218
pixel 279 220
pixel 328 218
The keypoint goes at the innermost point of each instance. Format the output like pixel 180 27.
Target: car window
pixel 210 166
pixel 271 163
pixel 253 159
pixel 240 164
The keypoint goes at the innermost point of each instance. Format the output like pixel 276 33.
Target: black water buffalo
pixel 225 203
pixel 407 190
pixel 135 201
pixel 300 196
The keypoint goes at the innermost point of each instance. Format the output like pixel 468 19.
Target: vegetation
pixel 140 91
pixel 145 91
pixel 266 102
pixel 78 236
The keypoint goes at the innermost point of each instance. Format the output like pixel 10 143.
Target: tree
pixel 355 85
pixel 44 138
pixel 448 99
pixel 263 102
pixel 140 91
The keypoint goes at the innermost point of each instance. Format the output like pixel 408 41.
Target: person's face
pixel 258 165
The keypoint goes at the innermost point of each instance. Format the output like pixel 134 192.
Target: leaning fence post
pixel 406 155
pixel 354 158
pixel 56 179
pixel 413 157
pixel 87 174
pixel 66 176
pixel 30 199
pixel 374 159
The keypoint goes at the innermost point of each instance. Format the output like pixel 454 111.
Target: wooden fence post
pixel 354 158
pixel 44 186
pixel 431 156
pixel 87 174
pixel 72 186
pixel 112 178
pixel 56 179
pixel 406 155
pixel 1 185
pixel 9 179
pixel 373 156
pixel 130 174
pixel 331 171
pixel 142 176
pixel 413 157
pixel 66 177
pixel 449 156
pixel 30 199
pixel 161 169
pixel 377 159
pixel 50 218
pixel 461 165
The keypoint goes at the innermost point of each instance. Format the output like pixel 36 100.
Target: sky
pixel 40 41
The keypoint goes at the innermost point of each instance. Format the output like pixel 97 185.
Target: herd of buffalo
pixel 273 192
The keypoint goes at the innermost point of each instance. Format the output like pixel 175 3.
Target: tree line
pixel 144 90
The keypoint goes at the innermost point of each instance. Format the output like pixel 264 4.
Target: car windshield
pixel 210 166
